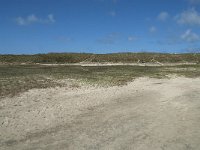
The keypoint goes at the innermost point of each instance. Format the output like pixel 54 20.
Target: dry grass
pixel 15 79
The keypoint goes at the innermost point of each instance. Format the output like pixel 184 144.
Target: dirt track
pixel 147 114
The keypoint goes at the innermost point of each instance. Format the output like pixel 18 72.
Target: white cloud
pixel 20 21
pixel 51 18
pixel 31 19
pixel 112 13
pixel 189 17
pixel 152 29
pixel 163 16
pixel 132 38
pixel 190 36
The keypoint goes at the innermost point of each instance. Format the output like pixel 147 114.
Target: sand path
pixel 146 114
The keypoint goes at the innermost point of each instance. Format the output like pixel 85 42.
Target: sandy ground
pixel 146 114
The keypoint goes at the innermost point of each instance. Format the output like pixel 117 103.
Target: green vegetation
pixel 117 57
pixel 19 78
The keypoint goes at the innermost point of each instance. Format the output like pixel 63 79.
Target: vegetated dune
pixel 101 58
pixel 146 114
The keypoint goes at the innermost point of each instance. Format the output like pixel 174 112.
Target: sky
pixel 99 26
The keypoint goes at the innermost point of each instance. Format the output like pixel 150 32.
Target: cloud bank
pixel 190 36
pixel 33 19
pixel 189 17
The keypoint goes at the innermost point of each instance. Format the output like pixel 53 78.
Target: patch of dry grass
pixel 15 79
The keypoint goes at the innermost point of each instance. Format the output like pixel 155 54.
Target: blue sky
pixel 99 26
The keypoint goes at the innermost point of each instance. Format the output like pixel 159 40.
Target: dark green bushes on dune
pixel 114 58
